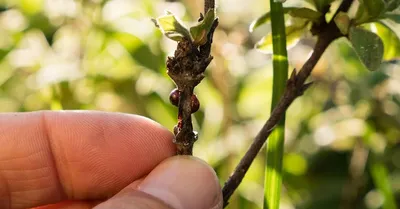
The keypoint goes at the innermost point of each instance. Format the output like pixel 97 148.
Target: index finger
pixel 47 157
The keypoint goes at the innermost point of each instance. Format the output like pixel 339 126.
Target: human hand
pixel 80 159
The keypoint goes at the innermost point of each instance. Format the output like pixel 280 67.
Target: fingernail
pixel 184 182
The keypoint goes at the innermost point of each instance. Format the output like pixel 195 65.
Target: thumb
pixel 179 182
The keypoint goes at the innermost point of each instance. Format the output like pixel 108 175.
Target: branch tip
pixel 327 33
pixel 186 68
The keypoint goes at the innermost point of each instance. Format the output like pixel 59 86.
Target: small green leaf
pixel 305 13
pixel 293 34
pixel 342 21
pixel 171 27
pixel 260 21
pixel 369 10
pixel 300 12
pixel 362 15
pixel 368 46
pixel 374 7
pixel 200 31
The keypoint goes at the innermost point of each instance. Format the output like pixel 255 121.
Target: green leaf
pixel 368 46
pixel 300 12
pixel 392 25
pixel 374 7
pixel 391 42
pixel 293 34
pixel 362 15
pixel 369 10
pixel 260 21
pixel 342 21
pixel 305 13
pixel 171 27
pixel 200 31
pixel 139 50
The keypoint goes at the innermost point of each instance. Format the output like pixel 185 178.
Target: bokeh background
pixel 343 135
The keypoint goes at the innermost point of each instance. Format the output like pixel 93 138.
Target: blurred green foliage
pixel 107 55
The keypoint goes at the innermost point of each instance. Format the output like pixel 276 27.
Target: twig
pixel 186 68
pixel 295 87
pixel 208 4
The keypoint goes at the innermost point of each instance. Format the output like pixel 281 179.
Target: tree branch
pixel 295 87
pixel 208 4
pixel 186 68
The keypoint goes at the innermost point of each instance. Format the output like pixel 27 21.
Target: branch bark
pixel 208 4
pixel 295 87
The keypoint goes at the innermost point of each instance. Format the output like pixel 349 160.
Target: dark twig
pixel 186 68
pixel 208 4
pixel 295 87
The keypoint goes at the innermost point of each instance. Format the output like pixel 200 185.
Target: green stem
pixel 273 168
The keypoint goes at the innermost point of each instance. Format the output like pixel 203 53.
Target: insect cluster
pixel 174 99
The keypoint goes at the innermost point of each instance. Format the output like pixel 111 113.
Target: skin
pixel 86 159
